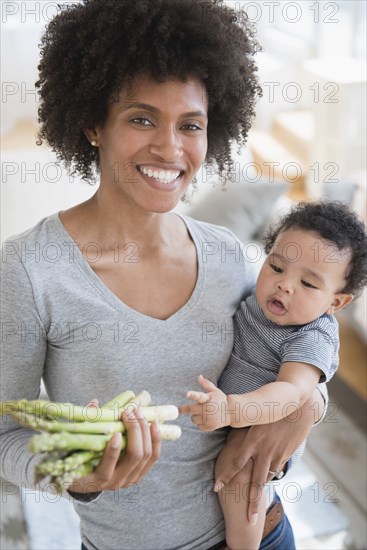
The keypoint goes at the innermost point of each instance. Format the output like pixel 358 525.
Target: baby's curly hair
pixel 336 222
pixel 90 50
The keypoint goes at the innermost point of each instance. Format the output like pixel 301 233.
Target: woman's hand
pixel 269 446
pixel 115 472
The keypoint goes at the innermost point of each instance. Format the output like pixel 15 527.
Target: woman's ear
pixel 340 300
pixel 92 136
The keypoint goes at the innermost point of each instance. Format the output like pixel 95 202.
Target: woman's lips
pixel 276 307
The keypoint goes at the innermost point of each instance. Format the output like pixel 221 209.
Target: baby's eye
pixel 276 268
pixel 308 285
pixel 142 121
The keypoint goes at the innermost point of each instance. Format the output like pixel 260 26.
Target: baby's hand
pixel 210 411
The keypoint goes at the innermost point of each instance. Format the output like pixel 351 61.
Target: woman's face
pixel 153 142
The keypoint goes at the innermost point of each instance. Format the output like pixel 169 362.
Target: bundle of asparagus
pixel 74 437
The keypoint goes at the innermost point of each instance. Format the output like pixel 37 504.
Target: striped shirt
pixel 261 346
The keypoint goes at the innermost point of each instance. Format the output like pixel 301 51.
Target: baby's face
pixel 301 278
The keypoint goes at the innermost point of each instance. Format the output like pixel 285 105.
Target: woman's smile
pixel 164 179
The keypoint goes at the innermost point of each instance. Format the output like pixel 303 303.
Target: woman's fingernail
pixel 116 441
pixel 254 519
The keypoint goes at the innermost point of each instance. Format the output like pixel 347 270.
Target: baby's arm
pixel 294 385
pixel 213 409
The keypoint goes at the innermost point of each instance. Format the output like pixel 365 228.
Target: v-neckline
pixel 113 299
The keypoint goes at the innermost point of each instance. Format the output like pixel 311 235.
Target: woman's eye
pixel 141 121
pixel 191 127
pixel 308 285
pixel 276 268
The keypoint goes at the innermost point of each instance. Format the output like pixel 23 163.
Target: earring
pixel 94 143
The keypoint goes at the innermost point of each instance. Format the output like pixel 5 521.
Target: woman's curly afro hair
pixel 336 222
pixel 90 50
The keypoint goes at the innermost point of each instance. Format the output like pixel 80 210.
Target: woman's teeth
pixel 164 176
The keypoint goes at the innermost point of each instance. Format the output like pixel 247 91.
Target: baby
pixel 286 336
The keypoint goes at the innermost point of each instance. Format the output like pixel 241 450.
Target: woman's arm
pixel 23 353
pixel 269 446
pixel 23 356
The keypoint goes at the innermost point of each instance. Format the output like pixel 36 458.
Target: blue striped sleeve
pixel 316 347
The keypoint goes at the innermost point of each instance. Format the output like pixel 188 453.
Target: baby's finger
pixel 207 384
pixel 197 419
pixel 198 396
pixel 190 409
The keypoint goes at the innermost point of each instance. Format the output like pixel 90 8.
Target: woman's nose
pixel 167 144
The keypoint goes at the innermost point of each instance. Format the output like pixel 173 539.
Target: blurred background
pixel 308 141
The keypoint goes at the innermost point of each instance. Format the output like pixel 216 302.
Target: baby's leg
pixel 240 533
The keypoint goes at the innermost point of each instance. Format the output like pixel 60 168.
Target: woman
pixel 143 92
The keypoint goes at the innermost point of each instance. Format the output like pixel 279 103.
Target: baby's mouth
pixel 276 307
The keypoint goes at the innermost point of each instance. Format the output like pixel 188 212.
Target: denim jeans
pixel 281 538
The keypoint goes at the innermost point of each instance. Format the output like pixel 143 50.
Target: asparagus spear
pixel 68 411
pixel 45 442
pixel 31 421
pixel 143 399
pixel 57 466
pixel 51 466
pixel 119 403
pixel 62 481
pixel 120 400
pixel 57 411
pixel 168 431
pixel 65 441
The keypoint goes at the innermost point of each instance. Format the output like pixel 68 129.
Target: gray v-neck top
pixel 63 324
